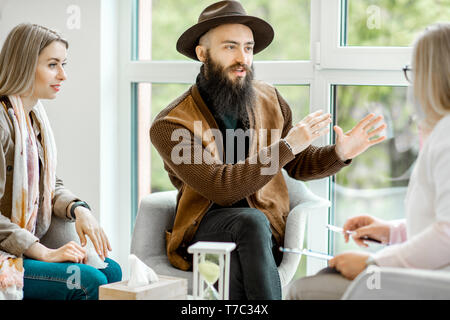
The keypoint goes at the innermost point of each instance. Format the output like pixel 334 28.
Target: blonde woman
pixel 32 64
pixel 422 240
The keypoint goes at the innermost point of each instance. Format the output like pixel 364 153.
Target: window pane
pixel 390 23
pixel 162 96
pixel 376 181
pixel 161 22
pixel 298 99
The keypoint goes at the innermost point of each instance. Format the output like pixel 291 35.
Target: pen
pixel 338 229
pixel 307 252
pixel 341 230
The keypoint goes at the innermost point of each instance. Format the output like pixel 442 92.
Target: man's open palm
pixel 357 140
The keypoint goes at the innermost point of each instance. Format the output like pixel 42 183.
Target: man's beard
pixel 226 97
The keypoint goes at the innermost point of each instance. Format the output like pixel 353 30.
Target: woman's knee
pixel 113 272
pixel 86 286
pixel 326 285
pixel 93 278
pixel 85 281
pixel 68 281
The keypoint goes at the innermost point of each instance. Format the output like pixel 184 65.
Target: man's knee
pixel 253 221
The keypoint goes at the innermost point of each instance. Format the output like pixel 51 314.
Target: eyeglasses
pixel 407 71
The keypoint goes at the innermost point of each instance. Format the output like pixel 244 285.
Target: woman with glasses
pixel 422 240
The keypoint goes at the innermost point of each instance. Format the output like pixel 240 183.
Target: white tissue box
pixel 167 288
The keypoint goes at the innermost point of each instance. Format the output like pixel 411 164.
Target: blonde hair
pixel 19 57
pixel 431 72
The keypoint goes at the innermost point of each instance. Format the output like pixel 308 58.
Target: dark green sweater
pixel 228 121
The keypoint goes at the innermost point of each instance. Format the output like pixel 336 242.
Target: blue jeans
pixel 66 281
pixel 253 267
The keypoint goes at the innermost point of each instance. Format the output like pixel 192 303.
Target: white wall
pixel 84 115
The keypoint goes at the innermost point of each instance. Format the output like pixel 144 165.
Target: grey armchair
pixel 59 233
pixel 157 213
pixel 384 283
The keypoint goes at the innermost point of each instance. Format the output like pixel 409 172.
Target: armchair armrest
pixel 156 214
pixel 399 284
pixel 302 200
pixel 299 193
pixel 60 232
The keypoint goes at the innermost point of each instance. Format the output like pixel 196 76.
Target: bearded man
pixel 235 198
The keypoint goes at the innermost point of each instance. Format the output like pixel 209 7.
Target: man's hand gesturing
pixel 306 131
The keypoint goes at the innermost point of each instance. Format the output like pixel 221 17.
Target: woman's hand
pixel 71 252
pixel 367 226
pixel 86 224
pixel 349 264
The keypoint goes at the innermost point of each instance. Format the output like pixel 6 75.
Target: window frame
pixel 336 56
pixel 330 64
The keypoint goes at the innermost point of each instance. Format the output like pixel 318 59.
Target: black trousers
pixel 253 266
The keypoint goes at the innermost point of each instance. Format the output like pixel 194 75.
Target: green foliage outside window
pixel 289 18
pixel 392 23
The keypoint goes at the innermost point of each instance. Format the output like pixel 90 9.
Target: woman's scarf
pixel 11 277
pixel 25 196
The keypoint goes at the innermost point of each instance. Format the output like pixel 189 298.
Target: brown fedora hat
pixel 219 13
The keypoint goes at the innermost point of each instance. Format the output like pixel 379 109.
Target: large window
pixel 376 181
pixel 342 56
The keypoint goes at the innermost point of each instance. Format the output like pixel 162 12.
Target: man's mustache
pixel 238 66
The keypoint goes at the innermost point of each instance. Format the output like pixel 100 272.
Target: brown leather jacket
pixel 201 181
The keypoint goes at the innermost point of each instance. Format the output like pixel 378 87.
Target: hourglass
pixel 211 263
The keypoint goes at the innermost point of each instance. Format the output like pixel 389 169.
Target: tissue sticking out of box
pixel 140 273
pixel 93 259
